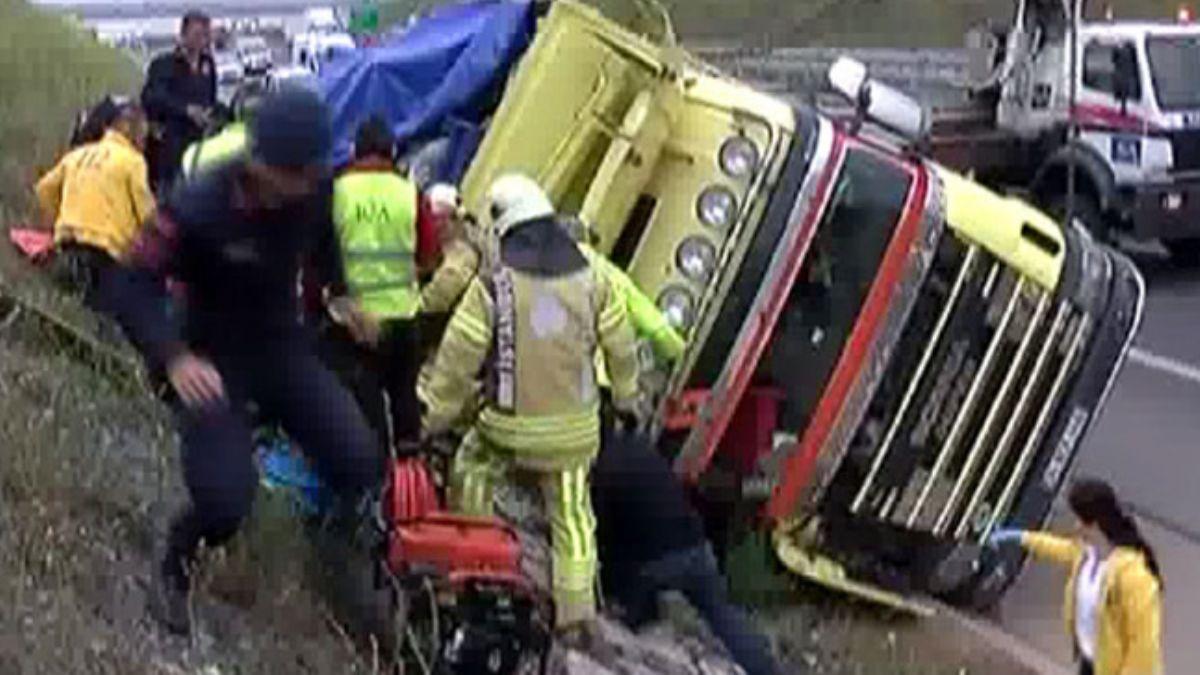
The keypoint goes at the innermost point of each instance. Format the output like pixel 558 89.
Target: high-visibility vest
pixel 375 214
pixel 210 151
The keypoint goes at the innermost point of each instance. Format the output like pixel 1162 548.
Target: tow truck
pixel 886 360
pixel 1123 114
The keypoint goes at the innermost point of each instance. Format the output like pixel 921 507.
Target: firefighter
pixel 531 321
pixel 386 233
pixel 96 199
pixel 235 238
pixel 180 97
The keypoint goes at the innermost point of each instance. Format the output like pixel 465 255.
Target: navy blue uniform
pixel 239 268
pixel 171 86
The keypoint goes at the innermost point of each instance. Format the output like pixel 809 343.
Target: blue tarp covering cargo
pixel 444 71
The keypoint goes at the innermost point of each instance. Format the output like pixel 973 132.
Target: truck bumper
pixel 1169 210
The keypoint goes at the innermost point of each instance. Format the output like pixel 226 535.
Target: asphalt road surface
pixel 1147 443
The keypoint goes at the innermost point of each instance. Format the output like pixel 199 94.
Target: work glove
pixel 1005 535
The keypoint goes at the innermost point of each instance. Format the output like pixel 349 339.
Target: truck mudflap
pixel 1168 210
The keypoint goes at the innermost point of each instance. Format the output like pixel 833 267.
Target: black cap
pixel 292 129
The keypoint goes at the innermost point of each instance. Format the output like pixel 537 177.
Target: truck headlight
pixel 739 157
pixel 717 207
pixel 676 304
pixel 695 258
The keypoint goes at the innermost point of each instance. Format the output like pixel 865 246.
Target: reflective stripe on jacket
pixel 226 145
pixel 375 214
pixel 99 195
pixel 1128 631
pixel 541 394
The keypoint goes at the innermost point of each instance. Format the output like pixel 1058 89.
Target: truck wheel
pixel 1184 251
pixel 1087 212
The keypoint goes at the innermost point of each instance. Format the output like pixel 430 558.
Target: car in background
pixel 313 49
pixel 230 74
pixel 254 53
pixel 293 75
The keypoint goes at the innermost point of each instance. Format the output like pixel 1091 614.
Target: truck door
pixel 1035 92
pixel 1112 106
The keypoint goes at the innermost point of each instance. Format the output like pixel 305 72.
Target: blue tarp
pixel 447 66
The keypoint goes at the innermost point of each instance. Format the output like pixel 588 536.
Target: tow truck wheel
pixel 1184 251
pixel 1087 212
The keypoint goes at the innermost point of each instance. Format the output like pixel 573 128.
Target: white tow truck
pixel 1124 113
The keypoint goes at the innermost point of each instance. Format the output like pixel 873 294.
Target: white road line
pixel 1165 364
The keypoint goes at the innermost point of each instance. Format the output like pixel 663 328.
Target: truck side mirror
pixel 1126 79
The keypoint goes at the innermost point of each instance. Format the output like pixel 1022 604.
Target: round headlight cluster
pixel 696 258
pixel 739 157
pixel 717 207
pixel 677 305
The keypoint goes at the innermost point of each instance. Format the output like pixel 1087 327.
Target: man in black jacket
pixel 180 98
pixel 235 237
pixel 651 540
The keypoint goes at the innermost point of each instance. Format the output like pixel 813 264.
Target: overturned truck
pixel 886 361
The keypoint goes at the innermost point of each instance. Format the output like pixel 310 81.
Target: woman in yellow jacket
pixel 1113 602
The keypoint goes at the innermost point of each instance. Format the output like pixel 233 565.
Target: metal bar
pixel 990 284
pixel 993 416
pixel 968 405
pixel 1035 438
pixel 922 366
pixel 1014 421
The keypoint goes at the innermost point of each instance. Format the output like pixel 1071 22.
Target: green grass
pixel 49 69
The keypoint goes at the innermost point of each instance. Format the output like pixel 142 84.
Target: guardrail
pixel 936 77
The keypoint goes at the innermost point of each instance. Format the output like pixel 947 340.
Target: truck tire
pixel 1087 212
pixel 1184 251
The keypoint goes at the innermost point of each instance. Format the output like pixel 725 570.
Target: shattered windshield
pixel 1175 67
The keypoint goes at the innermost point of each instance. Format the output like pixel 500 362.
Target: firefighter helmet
pixel 514 199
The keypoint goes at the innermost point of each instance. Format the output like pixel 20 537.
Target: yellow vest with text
pixel 375 214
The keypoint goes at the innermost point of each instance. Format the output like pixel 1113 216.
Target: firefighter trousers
pixel 480 465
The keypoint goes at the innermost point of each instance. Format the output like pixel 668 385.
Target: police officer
pixel 385 233
pixel 180 97
pixel 235 237
pixel 531 322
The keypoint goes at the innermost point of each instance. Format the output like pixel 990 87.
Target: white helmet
pixel 515 198
pixel 443 199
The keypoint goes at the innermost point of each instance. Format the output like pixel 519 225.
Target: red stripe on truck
pixel 802 457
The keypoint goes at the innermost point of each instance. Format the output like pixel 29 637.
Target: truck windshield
pixel 1175 66
pixel 827 299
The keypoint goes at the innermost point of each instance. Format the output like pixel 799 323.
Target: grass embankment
pixel 88 469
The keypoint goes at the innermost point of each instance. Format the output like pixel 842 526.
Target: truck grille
pixel 961 415
pixel 1185 147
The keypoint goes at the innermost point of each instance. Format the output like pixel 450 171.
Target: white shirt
pixel 1088 600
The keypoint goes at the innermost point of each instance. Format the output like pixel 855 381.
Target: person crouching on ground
pixel 96 200
pixel 651 540
pixel 235 237
pixel 1113 603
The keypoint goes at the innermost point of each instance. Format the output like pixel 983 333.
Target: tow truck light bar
pixel 878 102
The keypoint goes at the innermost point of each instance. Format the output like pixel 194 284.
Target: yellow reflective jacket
pixel 375 216
pixel 226 145
pixel 541 398
pixel 98 195
pixel 1128 633
pixel 460 261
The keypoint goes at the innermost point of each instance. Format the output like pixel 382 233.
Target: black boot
pixel 169 596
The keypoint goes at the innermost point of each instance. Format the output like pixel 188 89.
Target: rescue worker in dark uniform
pixel 385 233
pixel 531 322
pixel 235 237
pixel 651 540
pixel 180 98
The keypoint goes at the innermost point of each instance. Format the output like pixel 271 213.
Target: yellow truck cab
pixel 885 360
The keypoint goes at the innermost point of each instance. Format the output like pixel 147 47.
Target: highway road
pixel 1147 443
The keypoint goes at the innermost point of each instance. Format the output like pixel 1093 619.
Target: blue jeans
pixel 694 573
